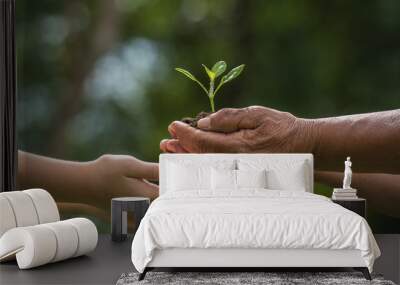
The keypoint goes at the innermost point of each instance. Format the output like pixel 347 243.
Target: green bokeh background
pixel 97 77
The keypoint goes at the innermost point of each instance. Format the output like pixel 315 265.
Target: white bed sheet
pixel 251 219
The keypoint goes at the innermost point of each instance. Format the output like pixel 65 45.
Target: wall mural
pixel 97 91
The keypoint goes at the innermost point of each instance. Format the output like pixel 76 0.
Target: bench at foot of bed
pixel 364 271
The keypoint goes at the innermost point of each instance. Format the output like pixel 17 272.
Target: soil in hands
pixel 193 121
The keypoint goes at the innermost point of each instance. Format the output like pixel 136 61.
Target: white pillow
pixel 251 178
pixel 227 179
pixel 188 177
pixel 281 174
pixel 288 178
pixel 223 179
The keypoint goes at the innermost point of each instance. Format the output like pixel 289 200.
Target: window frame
pixel 8 97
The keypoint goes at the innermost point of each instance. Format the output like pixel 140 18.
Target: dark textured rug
pixel 232 278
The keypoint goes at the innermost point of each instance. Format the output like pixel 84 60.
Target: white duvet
pixel 251 219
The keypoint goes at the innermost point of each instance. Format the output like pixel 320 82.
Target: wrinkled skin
pixel 249 130
pixel 372 140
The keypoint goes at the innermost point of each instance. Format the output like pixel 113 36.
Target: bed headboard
pixel 208 158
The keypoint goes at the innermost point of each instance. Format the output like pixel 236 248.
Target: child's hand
pixel 93 183
pixel 120 176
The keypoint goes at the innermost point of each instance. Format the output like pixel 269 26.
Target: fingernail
pixel 175 123
pixel 171 130
pixel 204 123
pixel 171 126
pixel 163 144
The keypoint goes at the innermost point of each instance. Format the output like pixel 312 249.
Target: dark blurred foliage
pixel 97 77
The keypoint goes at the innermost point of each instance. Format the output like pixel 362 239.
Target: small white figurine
pixel 347 174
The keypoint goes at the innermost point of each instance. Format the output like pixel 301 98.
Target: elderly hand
pixel 250 130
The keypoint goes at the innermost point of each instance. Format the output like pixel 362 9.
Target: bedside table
pixel 358 206
pixel 119 215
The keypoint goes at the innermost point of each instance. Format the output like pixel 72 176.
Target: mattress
pixel 252 219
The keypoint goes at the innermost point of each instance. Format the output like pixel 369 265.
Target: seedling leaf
pixel 189 75
pixel 219 68
pixel 210 74
pixel 186 73
pixel 232 74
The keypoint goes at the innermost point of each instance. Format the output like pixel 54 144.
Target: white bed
pixel 200 223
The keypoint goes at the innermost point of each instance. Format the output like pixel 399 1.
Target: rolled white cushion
pixel 46 207
pixel 33 246
pixel 67 239
pixel 87 235
pixel 23 208
pixel 40 244
pixel 7 218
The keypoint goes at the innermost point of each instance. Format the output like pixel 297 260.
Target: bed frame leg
pixel 143 274
pixel 364 271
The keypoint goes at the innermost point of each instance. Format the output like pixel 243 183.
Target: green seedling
pixel 217 70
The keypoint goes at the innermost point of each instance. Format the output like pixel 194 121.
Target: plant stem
pixel 211 95
pixel 212 104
